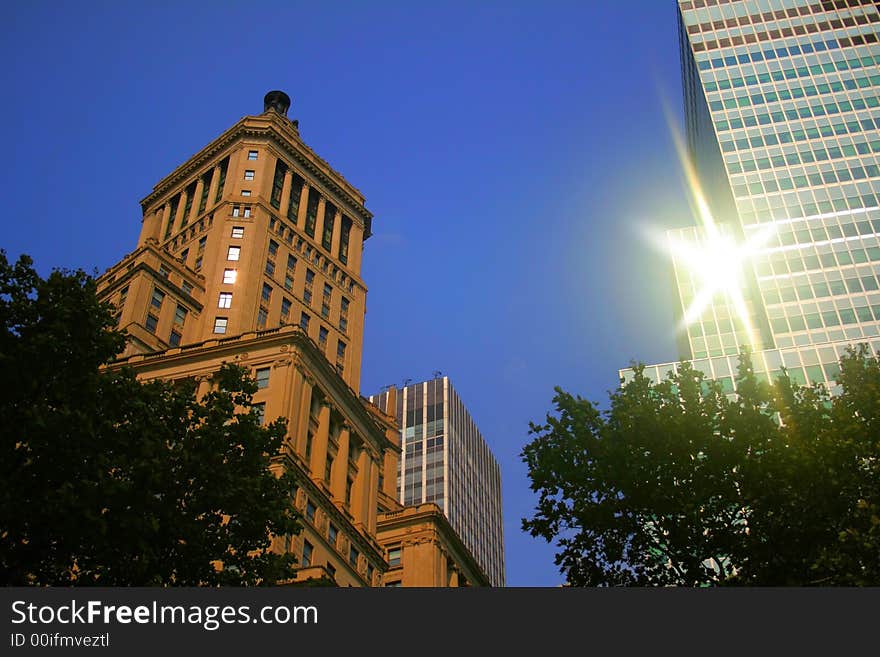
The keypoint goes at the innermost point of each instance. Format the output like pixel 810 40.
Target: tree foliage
pixel 110 481
pixel 679 484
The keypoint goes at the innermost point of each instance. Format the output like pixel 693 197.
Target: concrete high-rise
pixel 445 460
pixel 782 113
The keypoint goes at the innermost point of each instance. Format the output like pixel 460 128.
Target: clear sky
pixel 510 152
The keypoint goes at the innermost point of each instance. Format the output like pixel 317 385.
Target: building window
pixel 332 570
pixel 247 211
pixel 310 511
pixel 202 242
pixel 263 377
pixel 260 412
pixel 252 155
pixel 394 557
pixel 225 300
pixel 340 350
pixel 267 292
pixel 152 322
pixel 312 212
pixel 285 309
pixel 332 533
pixel 288 282
pixel 187 288
pixel 325 301
pixel 198 264
pixel 174 338
pixel 310 276
pixel 273 248
pixel 180 315
pixel 123 293
pixel 353 555
pixel 291 263
pixel 322 337
pixel 304 322
pixel 249 174
pixel 394 584
pixel 229 275
pixel 296 187
pixel 164 271
pixel 343 314
pixel 158 298
pixel 236 210
pixel 307 554
pixel 184 255
pixel 328 468
pixel 344 236
pixel 172 215
pixel 245 192
pixel 329 219
pixel 270 267
pixel 307 297
pixel 262 317
pixel 238 232
pixel 277 184
pixel 206 188
pixel 234 253
pixel 220 324
pixel 190 196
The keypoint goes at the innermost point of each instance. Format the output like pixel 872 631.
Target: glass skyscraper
pixel 782 113
pixel 445 460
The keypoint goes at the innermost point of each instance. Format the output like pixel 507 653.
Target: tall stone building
pixel 250 252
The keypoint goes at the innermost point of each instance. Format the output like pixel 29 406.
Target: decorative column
pixel 339 473
pixel 319 443
pixel 361 494
pixel 181 203
pixel 319 219
pixel 292 388
pixel 373 496
pixel 166 218
pixel 197 194
pixel 212 188
pixel 285 193
pixel 390 464
pixel 303 202
pixel 302 417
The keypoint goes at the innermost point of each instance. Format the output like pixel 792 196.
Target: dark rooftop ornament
pixel 278 101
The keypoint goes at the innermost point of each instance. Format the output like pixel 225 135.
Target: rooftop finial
pixel 278 101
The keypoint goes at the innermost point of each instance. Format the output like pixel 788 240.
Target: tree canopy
pixel 107 480
pixel 678 483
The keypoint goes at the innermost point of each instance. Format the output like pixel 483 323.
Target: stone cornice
pixel 416 516
pixel 165 257
pixel 266 127
pixel 311 357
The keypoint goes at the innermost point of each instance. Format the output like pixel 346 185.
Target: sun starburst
pixel 717 260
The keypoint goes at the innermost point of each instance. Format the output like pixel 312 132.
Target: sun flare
pixel 717 261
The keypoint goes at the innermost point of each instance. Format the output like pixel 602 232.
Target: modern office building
pixel 250 252
pixel 445 460
pixel 782 113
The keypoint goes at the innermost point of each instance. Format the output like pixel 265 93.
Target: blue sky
pixel 510 153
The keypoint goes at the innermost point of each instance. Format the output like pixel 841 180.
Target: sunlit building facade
pixel 445 460
pixel 782 113
pixel 250 253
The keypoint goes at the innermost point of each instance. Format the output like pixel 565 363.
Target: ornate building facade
pixel 250 252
